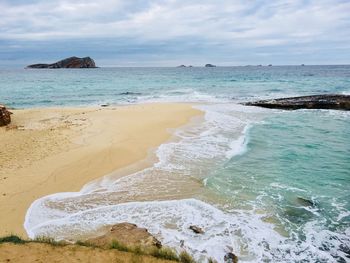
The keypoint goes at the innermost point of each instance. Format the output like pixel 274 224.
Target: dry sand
pixel 52 150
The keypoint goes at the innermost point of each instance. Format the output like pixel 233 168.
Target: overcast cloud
pixel 172 32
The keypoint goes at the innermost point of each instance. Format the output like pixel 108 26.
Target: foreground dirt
pixel 43 253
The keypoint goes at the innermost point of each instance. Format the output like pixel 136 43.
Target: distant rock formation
pixel 181 66
pixel 210 66
pixel 130 93
pixel 72 62
pixel 5 116
pixel 126 234
pixel 325 101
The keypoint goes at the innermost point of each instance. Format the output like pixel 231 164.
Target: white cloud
pixel 271 23
pixel 228 24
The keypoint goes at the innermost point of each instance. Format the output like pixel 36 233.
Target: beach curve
pixel 62 149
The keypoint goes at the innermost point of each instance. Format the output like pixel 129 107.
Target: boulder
pixel 72 62
pixel 5 116
pixel 196 229
pixel 210 66
pixel 230 258
pixel 126 234
pixel 305 202
pixel 325 101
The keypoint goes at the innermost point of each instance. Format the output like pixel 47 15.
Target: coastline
pixel 50 150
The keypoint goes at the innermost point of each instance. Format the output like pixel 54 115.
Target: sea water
pixel 268 185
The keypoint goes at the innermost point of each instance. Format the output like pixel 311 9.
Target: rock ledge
pixel 324 101
pixel 127 234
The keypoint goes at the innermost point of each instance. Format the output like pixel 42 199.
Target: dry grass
pixel 161 253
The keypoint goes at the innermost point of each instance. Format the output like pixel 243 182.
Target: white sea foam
pixel 243 233
pixel 181 95
pixel 170 221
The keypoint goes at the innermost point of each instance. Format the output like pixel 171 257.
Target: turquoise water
pixel 280 179
pixel 292 155
pixel 28 88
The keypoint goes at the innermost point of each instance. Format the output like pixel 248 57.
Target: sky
pixel 174 32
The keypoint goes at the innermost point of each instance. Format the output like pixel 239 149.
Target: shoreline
pixel 51 150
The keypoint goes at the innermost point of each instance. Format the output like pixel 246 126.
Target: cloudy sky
pixel 173 32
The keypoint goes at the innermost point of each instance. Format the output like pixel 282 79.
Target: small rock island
pixel 71 62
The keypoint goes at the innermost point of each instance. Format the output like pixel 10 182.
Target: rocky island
pixel 324 101
pixel 71 62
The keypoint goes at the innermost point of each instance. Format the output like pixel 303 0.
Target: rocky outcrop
pixel 230 258
pixel 196 229
pixel 126 234
pixel 325 101
pixel 5 116
pixel 305 202
pixel 210 66
pixel 72 62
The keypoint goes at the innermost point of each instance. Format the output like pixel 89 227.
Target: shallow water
pixel 268 185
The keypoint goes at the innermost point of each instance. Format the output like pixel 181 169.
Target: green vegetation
pixel 186 258
pixel 12 239
pixel 164 253
pixel 47 240
pixel 161 253
pixel 210 260
pixel 118 246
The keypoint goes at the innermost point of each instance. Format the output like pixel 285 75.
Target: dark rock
pixel 5 116
pixel 305 202
pixel 325 101
pixel 196 229
pixel 130 93
pixel 181 66
pixel 104 105
pixel 269 65
pixel 182 243
pixel 210 66
pixel 127 234
pixel 72 62
pixel 230 258
pixel 297 214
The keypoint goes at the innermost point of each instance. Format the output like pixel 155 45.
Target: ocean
pixel 275 185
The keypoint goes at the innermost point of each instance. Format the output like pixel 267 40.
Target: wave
pixel 243 233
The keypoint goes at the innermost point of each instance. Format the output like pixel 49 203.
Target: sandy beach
pixel 50 150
